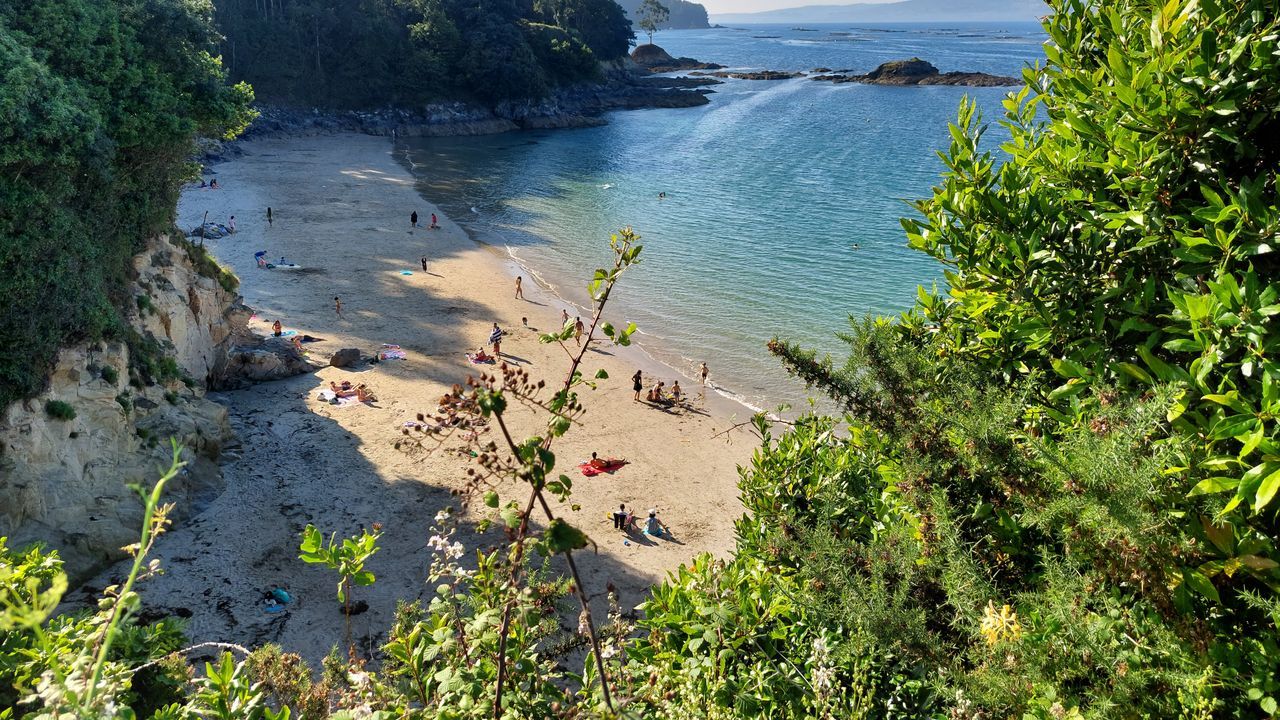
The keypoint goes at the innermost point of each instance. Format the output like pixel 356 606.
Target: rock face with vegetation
pixel 68 454
pixel 919 72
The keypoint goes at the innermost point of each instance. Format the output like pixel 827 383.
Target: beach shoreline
pixel 341 209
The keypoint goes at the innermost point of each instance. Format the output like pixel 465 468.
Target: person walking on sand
pixel 413 219
pixel 564 317
pixel 495 339
pixel 620 517
pixel 269 219
pixel 424 263
pixel 337 305
pixel 704 373
pixel 519 289
pixel 637 384
pixel 277 329
pixel 434 225
pixel 578 329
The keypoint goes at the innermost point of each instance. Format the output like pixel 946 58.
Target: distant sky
pixel 745 6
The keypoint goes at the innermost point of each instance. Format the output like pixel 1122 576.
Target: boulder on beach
pixel 347 357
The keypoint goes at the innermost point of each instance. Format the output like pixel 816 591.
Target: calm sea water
pixel 769 188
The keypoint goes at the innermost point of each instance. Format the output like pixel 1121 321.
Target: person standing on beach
pixel 277 328
pixel 413 219
pixel 269 217
pixel 564 317
pixel 424 263
pixel 231 223
pixel 519 289
pixel 704 373
pixel 578 329
pixel 337 305
pixel 637 384
pixel 495 338
pixel 434 226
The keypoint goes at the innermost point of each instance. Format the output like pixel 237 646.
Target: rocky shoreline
pixel 626 87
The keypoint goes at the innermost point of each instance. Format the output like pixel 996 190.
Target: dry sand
pixel 341 210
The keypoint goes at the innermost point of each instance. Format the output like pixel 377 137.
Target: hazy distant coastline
pixel 932 11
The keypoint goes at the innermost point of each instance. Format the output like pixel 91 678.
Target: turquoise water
pixel 769 188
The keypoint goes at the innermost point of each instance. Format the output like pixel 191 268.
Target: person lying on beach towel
pixel 480 356
pixel 597 465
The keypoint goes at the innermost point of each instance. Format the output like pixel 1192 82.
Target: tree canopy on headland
pixel 379 53
pixel 99 106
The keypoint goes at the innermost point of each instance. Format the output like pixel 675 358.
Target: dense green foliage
pixel 1052 494
pixel 99 104
pixel 377 53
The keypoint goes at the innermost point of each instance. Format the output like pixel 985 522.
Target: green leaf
pixel 510 516
pixel 601 374
pixel 563 537
pixel 1210 486
pixel 1200 584
pixel 1069 368
pixel 1267 491
pixel 491 499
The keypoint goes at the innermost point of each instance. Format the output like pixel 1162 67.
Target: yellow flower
pixel 1000 625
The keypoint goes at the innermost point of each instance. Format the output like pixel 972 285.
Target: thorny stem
pixel 535 495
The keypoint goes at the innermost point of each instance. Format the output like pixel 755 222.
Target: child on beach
pixel 564 317
pixel 277 328
pixel 519 289
pixel 675 391
pixel 704 373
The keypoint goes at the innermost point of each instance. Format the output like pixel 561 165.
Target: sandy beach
pixel 341 206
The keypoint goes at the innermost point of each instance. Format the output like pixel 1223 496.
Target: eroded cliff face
pixel 64 482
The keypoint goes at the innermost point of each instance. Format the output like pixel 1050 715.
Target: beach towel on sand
pixel 487 361
pixel 609 466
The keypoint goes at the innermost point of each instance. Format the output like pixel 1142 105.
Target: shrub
pixel 59 410
pixel 110 374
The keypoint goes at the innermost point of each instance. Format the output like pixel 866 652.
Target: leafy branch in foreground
pixel 347 559
pixel 531 462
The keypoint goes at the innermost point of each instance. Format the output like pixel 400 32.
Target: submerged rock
pixel 758 75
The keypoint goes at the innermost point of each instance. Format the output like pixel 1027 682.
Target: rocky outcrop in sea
pixel 656 60
pixel 919 72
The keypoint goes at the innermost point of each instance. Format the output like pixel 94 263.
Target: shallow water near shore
pixel 783 198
